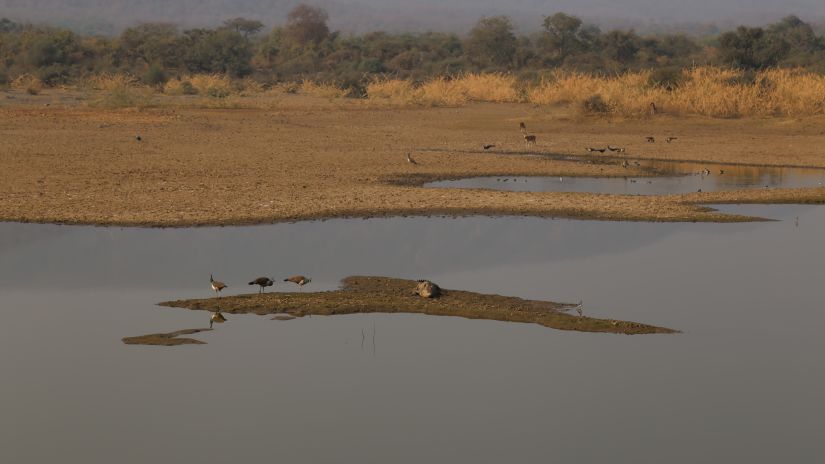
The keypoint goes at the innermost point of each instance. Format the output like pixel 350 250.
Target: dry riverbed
pixel 310 158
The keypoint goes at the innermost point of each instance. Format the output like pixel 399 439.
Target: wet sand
pixel 312 158
pixel 166 339
pixel 364 294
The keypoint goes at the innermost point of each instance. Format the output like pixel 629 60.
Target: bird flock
pixel 262 282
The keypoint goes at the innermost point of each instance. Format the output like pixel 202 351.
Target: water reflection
pixel 742 384
pixel 680 178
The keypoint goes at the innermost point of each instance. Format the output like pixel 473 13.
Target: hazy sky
pixel 410 15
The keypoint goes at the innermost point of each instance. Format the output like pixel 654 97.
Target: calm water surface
pixel 680 178
pixel 743 383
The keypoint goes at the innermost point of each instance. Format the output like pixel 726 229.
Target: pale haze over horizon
pixel 420 15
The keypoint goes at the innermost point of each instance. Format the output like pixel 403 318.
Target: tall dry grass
pixel 707 91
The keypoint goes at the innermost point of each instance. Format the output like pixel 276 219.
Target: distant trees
pixel 307 25
pixel 491 42
pixel 305 47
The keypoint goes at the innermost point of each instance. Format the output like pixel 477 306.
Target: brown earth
pixel 363 294
pixel 303 157
pixel 166 339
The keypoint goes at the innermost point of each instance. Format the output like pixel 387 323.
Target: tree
pixel 751 48
pixel 492 42
pixel 565 35
pixel 244 26
pixel 307 24
pixel 218 51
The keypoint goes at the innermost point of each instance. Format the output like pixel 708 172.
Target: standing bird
pixel 299 280
pixel 216 317
pixel 410 159
pixel 488 146
pixel 217 286
pixel 262 282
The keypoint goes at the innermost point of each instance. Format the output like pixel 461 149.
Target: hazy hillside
pixel 108 16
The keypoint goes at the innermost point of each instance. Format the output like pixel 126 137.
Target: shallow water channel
pixel 743 383
pixel 677 178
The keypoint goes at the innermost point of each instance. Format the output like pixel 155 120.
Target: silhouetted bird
pixel 217 286
pixel 262 282
pixel 299 280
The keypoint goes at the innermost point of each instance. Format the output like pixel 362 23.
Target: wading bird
pixel 217 286
pixel 216 317
pixel 299 280
pixel 262 282
pixel 410 159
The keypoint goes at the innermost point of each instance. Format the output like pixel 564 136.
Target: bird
pixel 700 190
pixel 217 286
pixel 138 137
pixel 618 149
pixel 488 146
pixel 600 150
pixel 262 282
pixel 216 317
pixel 706 172
pixel 624 164
pixel 670 139
pixel 650 139
pixel 580 308
pixel 299 280
pixel 410 159
pixel 721 171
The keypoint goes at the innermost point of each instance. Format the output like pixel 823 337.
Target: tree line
pixel 305 48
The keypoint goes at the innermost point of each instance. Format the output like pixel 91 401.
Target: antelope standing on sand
pixel 523 128
pixel 217 286
pixel 299 280
pixel 653 109
pixel 529 140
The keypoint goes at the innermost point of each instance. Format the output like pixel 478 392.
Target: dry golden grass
pixel 442 91
pixel 317 89
pixel 29 83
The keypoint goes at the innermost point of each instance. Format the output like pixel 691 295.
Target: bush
pixel 595 104
pixel 155 76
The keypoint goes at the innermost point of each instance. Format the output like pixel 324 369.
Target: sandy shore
pixel 310 158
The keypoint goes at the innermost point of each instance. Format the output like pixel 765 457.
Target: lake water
pixel 680 177
pixel 743 383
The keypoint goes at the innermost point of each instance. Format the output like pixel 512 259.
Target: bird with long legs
pixel 262 282
pixel 299 280
pixel 217 285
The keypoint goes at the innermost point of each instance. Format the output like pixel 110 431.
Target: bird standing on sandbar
pixel 216 317
pixel 217 286
pixel 262 282
pixel 299 280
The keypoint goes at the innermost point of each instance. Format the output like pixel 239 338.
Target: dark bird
pixel 299 280
pixel 217 286
pixel 217 317
pixel 700 190
pixel 600 150
pixel 618 149
pixel 138 138
pixel 410 159
pixel 262 282
pixel 670 139
pixel 650 139
pixel 488 146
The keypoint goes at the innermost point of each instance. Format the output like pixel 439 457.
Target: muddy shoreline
pixel 369 294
